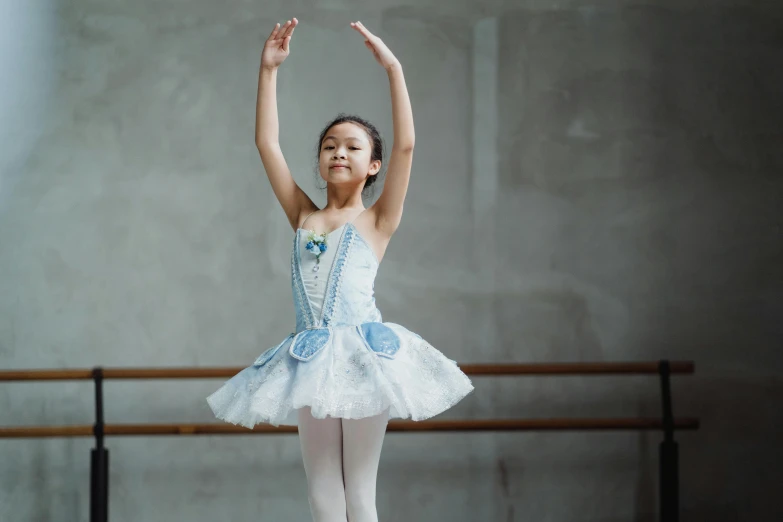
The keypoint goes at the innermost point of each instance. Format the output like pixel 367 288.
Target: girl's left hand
pixel 382 53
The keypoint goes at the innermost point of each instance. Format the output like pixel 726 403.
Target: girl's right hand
pixel 276 46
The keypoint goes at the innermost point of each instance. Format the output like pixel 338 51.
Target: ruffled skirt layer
pixel 352 375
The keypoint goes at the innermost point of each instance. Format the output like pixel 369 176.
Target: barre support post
pixel 668 454
pixel 99 461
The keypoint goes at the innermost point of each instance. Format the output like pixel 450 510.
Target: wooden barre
pixel 572 368
pixel 618 424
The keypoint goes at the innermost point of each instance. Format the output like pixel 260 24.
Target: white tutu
pixel 345 379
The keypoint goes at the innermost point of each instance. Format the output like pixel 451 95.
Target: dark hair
pixel 372 133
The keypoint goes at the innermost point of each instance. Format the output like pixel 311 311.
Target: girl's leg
pixel 362 441
pixel 321 442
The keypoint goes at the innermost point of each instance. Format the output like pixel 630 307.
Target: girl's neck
pixel 341 198
pixel 337 206
pixel 341 209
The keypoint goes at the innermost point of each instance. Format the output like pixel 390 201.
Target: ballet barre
pixel 667 423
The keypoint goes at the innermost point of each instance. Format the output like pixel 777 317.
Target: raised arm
pixel 388 208
pixel 292 198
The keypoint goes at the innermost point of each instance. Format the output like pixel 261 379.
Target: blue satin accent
pixel 268 354
pixel 309 342
pixel 381 339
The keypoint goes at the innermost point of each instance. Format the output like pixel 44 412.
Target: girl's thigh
pixel 362 443
pixel 321 443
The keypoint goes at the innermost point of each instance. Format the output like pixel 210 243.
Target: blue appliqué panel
pixel 309 342
pixel 381 339
pixel 268 354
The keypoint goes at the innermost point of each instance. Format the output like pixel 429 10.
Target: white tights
pixel 341 462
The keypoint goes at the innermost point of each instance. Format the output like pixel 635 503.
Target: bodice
pixel 342 291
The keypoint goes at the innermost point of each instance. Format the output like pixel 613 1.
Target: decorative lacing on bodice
pixel 336 278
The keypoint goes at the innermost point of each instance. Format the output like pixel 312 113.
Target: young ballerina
pixel 344 372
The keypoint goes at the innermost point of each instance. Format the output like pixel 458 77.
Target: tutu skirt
pixel 350 376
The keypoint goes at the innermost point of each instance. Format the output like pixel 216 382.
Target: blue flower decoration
pixel 316 244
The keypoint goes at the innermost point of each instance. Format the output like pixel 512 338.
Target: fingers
pixel 274 32
pixel 359 27
pixel 291 26
pixel 286 30
pixel 289 34
pixel 363 30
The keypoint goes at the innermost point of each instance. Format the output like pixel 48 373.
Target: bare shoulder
pixel 376 233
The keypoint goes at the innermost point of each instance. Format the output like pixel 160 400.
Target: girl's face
pixel 346 154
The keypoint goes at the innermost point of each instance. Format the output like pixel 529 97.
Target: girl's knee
pixel 360 503
pixel 327 502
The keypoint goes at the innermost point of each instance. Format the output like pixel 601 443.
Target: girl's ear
pixel 375 167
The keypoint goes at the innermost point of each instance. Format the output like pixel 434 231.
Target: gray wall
pixel 592 181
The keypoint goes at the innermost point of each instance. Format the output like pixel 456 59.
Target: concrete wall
pixel 592 181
